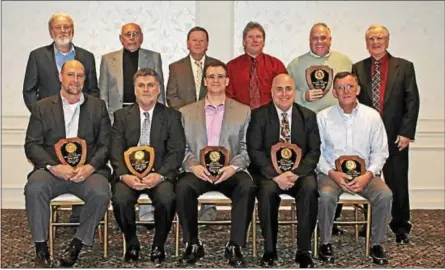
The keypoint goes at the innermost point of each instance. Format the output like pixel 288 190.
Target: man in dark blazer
pixel 146 122
pixel 185 84
pixel 68 114
pixel 389 85
pixel 282 120
pixel 44 64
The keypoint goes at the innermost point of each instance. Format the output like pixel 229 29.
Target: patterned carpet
pixel 426 250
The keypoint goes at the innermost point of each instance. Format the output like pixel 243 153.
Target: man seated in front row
pixel 351 128
pixel 282 120
pixel 150 123
pixel 68 114
pixel 215 121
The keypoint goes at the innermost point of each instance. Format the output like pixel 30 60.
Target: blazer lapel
pixel 156 124
pixel 274 124
pixel 393 69
pixel 57 111
pixel 201 119
pixel 117 70
pixel 297 127
pixel 225 125
pixel 188 72
pixel 203 90
pixel 134 125
pixel 142 59
pixel 367 76
pixel 50 54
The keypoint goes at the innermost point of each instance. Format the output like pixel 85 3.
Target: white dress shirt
pixel 289 117
pixel 360 133
pixel 71 114
pixel 142 116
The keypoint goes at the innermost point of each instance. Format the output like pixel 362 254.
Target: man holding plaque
pixel 313 73
pixel 67 140
pixel 389 85
pixel 147 148
pixel 216 159
pixel 354 148
pixel 284 146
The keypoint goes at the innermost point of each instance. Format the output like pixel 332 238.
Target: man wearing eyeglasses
pixel 389 85
pixel 320 54
pixel 351 128
pixel 45 63
pixel 215 120
pixel 116 79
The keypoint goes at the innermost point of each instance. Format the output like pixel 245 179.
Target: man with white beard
pixel 44 64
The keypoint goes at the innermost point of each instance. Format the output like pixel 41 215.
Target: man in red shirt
pixel 251 74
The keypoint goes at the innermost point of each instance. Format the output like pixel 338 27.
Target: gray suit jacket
pixel 181 89
pixel 233 132
pixel 111 78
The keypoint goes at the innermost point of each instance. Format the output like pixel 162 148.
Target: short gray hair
pixel 60 14
pixel 374 26
pixel 146 72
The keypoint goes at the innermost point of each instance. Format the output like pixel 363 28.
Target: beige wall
pixel 417 34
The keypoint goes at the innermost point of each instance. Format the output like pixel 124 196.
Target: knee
pixel 165 200
pixel 327 198
pixel 101 195
pixel 384 196
pixel 247 187
pixel 267 191
pixel 308 185
pixel 183 187
pixel 121 199
pixel 36 186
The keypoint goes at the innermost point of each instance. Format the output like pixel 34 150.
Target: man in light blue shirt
pixel 351 128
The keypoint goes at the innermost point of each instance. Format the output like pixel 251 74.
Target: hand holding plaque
pixel 140 160
pixel 213 158
pixel 320 77
pixel 71 151
pixel 285 156
pixel 353 166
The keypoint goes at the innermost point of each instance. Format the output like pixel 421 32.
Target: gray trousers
pixel 42 186
pixel 377 192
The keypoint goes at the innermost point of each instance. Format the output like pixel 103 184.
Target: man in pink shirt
pixel 215 120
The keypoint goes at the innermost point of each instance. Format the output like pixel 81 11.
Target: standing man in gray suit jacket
pixel 116 78
pixel 44 63
pixel 185 84
pixel 215 121
pixel 117 69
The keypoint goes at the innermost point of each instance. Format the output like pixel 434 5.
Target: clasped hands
pixel 76 175
pixel 344 181
pixel 286 180
pixel 223 174
pixel 147 182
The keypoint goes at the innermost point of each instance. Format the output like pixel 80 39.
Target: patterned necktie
pixel 254 86
pixel 145 132
pixel 198 78
pixel 376 81
pixel 284 129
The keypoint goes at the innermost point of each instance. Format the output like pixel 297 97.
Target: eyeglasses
pixel 132 34
pixel 343 87
pixel 378 39
pixel 218 76
pixel 62 27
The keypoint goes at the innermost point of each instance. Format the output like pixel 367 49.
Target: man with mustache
pixel 320 54
pixel 71 113
pixel 44 64
pixel 389 85
pixel 116 79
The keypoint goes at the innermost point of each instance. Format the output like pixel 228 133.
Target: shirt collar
pixel 279 111
pixel 318 56
pixel 354 111
pixel 141 111
pixel 202 60
pixel 382 60
pixel 207 103
pixel 62 53
pixel 65 102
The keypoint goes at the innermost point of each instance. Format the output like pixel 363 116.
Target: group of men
pixel 246 106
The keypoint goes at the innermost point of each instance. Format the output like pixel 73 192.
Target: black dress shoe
pixel 304 259
pixel 336 230
pixel 69 256
pixel 235 256
pixel 362 232
pixel 42 260
pixel 326 253
pixel 268 259
pixel 378 255
pixel 402 238
pixel 149 227
pixel 192 253
pixel 157 254
pixel 132 254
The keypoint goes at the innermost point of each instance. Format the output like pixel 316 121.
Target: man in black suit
pixel 389 85
pixel 44 64
pixel 282 120
pixel 146 122
pixel 69 114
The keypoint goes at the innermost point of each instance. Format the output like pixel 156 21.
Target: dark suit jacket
pixel 166 137
pixel 401 99
pixel 181 89
pixel 47 126
pixel 42 76
pixel 264 130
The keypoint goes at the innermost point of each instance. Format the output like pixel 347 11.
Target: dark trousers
pixel 306 198
pixel 395 173
pixel 239 188
pixel 124 200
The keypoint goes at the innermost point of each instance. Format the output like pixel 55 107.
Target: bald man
pixel 71 113
pixel 282 120
pixel 116 78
